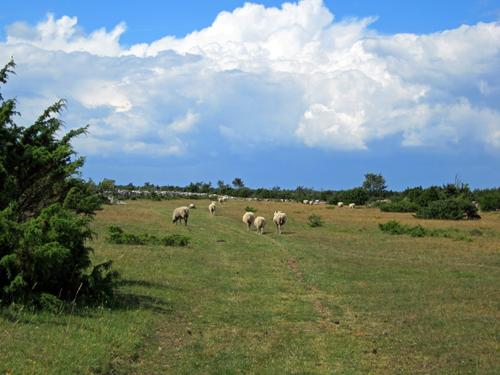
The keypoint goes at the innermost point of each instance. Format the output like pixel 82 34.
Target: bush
pixel 82 198
pixel 174 240
pixel 449 209
pixel 399 206
pixel 45 213
pixel 118 236
pixel 314 221
pixel 394 227
pixel 250 209
pixel 49 256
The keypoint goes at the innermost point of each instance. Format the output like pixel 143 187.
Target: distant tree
pixel 193 187
pixel 205 187
pixel 374 184
pixel 148 186
pixel 106 184
pixel 238 183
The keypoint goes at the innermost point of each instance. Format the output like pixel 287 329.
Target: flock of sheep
pixel 279 218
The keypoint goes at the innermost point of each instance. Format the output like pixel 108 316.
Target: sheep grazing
pixel 305 201
pixel 259 223
pixel 211 208
pixel 340 204
pixel 192 205
pixel 279 219
pixel 221 200
pixel 352 205
pixel 248 219
pixel 179 214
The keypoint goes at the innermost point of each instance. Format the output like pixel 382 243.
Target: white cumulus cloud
pixel 265 76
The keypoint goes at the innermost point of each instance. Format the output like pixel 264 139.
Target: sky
pixel 311 93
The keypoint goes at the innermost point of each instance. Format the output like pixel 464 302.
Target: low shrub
pixel 46 258
pixel 449 209
pixel 174 240
pixel 394 227
pixel 250 209
pixel 314 221
pixel 118 236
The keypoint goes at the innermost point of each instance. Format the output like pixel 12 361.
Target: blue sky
pixel 310 93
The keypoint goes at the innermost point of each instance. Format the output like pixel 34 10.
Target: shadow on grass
pixel 134 301
pixel 146 284
pixel 122 300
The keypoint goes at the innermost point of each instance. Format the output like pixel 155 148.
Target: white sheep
pixel 260 223
pixel 352 205
pixel 279 219
pixel 211 208
pixel 340 204
pixel 248 219
pixel 192 205
pixel 179 214
pixel 305 201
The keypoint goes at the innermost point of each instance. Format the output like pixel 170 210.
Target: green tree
pixel 45 211
pixel 238 183
pixel 374 184
pixel 107 185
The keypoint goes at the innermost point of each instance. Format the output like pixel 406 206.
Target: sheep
pixel 179 214
pixel 248 219
pixel 211 208
pixel 192 205
pixel 305 201
pixel 352 205
pixel 260 223
pixel 222 199
pixel 279 219
pixel 340 204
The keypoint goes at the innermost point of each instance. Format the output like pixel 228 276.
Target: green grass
pixel 341 298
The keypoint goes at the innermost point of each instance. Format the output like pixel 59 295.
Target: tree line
pixel 372 191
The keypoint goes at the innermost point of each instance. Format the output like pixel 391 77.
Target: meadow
pixel 341 298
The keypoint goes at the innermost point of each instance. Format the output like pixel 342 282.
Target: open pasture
pixel 341 298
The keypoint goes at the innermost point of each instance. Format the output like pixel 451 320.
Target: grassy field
pixel 342 298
